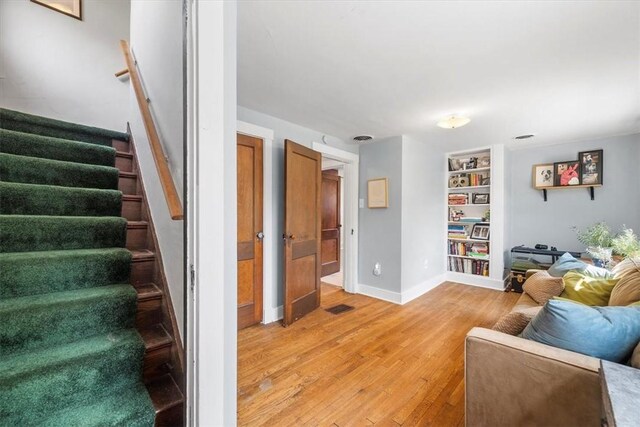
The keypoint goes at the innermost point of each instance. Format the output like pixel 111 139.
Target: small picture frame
pixel 543 176
pixel 378 193
pixel 591 167
pixel 480 198
pixel 566 174
pixel 484 162
pixel 480 231
pixel 72 8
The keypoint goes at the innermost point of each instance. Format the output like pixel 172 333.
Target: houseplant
pixel 598 240
pixel 626 243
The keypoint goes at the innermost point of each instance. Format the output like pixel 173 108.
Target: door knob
pixel 260 235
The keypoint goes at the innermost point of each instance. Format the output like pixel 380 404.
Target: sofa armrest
pixel 510 381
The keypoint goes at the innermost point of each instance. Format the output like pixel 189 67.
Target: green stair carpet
pixel 37 125
pixel 69 353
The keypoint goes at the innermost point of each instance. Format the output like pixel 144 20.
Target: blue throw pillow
pixel 609 333
pixel 567 263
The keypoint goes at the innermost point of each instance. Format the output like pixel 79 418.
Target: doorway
pixel 332 220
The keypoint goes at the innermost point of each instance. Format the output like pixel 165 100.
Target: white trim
pixel 273 314
pixel 269 244
pixel 383 294
pixel 421 288
pixel 351 179
pixel 475 280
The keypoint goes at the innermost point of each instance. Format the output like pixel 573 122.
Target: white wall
pixel 57 66
pixel 423 182
pixel 301 135
pixel 156 40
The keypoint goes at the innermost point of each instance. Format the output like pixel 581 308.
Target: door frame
pixel 350 182
pixel 269 243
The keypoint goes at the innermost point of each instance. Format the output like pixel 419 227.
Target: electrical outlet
pixel 377 269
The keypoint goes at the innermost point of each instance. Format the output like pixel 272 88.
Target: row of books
pixel 457 231
pixel 469 266
pixel 458 199
pixel 476 250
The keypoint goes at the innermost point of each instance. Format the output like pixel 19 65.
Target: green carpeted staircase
pixel 70 353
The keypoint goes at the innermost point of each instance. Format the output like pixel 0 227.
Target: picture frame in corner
pixel 480 231
pixel 378 193
pixel 72 8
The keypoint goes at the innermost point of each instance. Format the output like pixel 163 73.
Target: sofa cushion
pixel 635 357
pixel 587 290
pixel 542 286
pixel 627 290
pixel 609 333
pixel 567 263
pixel 513 323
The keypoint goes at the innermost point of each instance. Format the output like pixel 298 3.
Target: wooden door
pixel 249 231
pixel 302 256
pixel 330 222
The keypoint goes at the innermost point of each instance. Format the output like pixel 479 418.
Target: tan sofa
pixel 510 381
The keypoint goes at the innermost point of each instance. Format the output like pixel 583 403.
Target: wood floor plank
pixel 380 364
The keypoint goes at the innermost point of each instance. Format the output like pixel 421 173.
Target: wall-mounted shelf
pixel 469 187
pixel 589 188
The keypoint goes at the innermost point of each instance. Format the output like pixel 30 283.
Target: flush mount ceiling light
pixel 361 139
pixel 525 136
pixel 453 122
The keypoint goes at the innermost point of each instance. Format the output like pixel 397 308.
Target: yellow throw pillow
pixel 542 286
pixel 587 290
pixel 627 290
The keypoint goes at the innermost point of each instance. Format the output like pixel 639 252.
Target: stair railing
pixel 166 180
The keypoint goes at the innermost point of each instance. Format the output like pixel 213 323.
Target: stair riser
pixel 170 417
pixel 142 271
pixel 156 362
pixel 121 145
pixel 132 209
pixel 149 313
pixel 128 185
pixel 136 238
pixel 124 164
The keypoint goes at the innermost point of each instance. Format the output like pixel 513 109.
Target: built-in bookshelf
pixel 470 222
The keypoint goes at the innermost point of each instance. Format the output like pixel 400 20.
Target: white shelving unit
pixel 486 271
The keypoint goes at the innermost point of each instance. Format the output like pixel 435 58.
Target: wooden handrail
pixel 122 72
pixel 168 186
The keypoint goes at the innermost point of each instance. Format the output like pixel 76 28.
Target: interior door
pixel 330 222
pixel 249 231
pixel 302 253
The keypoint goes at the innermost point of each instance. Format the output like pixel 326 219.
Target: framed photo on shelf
pixel 480 231
pixel 543 176
pixel 480 198
pixel 566 173
pixel 590 167
pixel 378 193
pixel 484 162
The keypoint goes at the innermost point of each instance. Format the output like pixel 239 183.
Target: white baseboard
pixel 421 289
pixel 271 314
pixel 474 280
pixel 383 294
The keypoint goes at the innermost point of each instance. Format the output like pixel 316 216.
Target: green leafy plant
pixel 598 235
pixel 626 243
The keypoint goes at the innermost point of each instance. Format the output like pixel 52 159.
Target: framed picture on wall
pixel 378 193
pixel 566 173
pixel 542 175
pixel 590 167
pixel 71 8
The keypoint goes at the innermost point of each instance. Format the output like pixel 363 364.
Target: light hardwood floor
pixel 381 363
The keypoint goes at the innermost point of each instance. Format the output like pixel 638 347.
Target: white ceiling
pixel 562 70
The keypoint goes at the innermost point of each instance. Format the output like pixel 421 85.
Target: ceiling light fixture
pixel 526 136
pixel 361 139
pixel 453 122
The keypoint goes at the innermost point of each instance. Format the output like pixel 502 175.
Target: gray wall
pixel 301 135
pixel 57 66
pixel 156 39
pixel 423 210
pixel 617 202
pixel 380 229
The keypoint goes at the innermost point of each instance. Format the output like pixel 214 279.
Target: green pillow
pixel 587 290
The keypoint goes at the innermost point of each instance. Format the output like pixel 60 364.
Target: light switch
pixel 361 203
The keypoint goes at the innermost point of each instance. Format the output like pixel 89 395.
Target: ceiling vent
pixel 362 139
pixel 527 136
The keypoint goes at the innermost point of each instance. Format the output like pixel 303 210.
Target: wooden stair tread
pixel 141 254
pixel 125 174
pixel 137 224
pixel 132 197
pixel 148 291
pixel 124 154
pixel 155 337
pixel 164 393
